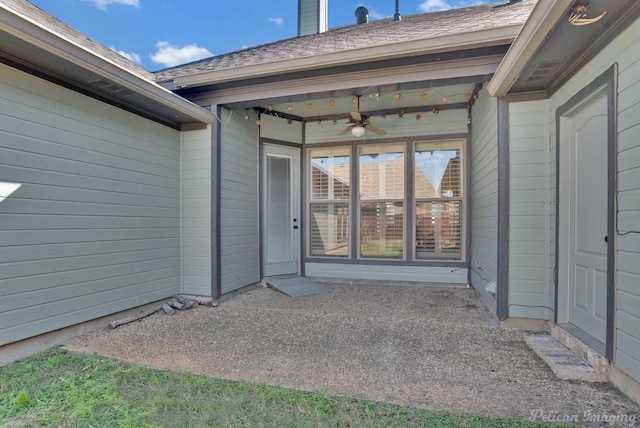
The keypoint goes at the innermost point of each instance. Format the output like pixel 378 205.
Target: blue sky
pixel 161 33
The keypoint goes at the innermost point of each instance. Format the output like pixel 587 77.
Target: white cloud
pixel 278 20
pixel 434 5
pixel 169 55
pixel 102 4
pixel 437 5
pixel 131 56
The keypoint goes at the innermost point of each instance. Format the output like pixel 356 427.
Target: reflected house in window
pixel 438 214
pixel 382 194
pixel 330 220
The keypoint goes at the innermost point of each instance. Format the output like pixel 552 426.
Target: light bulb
pixel 357 131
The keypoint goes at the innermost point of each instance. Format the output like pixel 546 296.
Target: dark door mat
pixel 296 286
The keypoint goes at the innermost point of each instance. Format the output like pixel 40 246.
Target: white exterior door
pixel 281 210
pixel 587 252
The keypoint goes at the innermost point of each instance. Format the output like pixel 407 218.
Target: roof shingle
pixel 374 33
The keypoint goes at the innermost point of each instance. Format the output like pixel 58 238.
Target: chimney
pixel 362 15
pixel 312 17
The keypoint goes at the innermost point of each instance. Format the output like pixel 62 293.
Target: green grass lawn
pixel 59 389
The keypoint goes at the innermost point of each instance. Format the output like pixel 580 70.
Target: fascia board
pixel 449 43
pixel 63 48
pixel 543 19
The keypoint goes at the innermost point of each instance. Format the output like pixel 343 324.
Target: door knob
pixel 295 226
pixel 606 239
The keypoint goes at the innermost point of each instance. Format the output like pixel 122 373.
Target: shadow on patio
pixel 425 346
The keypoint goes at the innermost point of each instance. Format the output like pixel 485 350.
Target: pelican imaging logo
pixel 587 417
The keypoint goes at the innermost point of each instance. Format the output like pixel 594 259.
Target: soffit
pixel 568 47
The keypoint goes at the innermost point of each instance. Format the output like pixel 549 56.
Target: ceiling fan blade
pixel 356 116
pixel 347 129
pixel 376 130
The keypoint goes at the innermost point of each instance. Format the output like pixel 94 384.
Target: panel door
pixel 588 219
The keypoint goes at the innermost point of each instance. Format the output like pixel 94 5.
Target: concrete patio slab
pixel 425 346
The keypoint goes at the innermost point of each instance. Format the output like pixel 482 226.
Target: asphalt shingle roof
pixel 374 33
pixel 42 19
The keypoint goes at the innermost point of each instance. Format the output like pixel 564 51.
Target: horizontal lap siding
pixel 484 194
pixel 94 226
pixel 277 128
pixel 529 241
pixel 239 208
pixel 628 310
pixel 624 50
pixel 387 273
pixel 445 123
pixel 196 212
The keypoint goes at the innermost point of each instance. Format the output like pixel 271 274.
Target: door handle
pixel 606 239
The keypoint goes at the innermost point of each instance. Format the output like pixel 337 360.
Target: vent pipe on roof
pixel 396 16
pixel 362 15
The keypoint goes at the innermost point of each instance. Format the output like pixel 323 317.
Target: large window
pixel 438 184
pixel 407 200
pixel 330 191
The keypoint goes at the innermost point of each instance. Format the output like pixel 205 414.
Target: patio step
pixel 564 363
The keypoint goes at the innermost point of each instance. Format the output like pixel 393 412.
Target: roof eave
pixel 449 43
pixel 35 34
pixel 543 19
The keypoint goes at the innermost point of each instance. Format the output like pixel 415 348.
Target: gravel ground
pixel 424 346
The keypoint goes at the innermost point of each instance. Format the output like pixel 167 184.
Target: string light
pixel 418 116
pixel 398 96
pixel 332 103
pixel 435 110
pixel 444 100
pixel 354 100
pixel 310 106
pixel 423 95
pixel 289 108
pixel 401 114
pixel 270 107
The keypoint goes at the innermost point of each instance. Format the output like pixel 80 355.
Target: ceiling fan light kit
pixel 357 131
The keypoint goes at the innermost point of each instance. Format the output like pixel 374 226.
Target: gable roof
pixel 37 43
pixel 449 30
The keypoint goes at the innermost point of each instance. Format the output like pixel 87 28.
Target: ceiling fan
pixel 359 122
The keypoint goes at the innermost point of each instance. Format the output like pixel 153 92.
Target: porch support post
pixel 216 137
pixel 502 304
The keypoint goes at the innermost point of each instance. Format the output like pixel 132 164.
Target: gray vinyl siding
pixel 94 227
pixel 446 122
pixel 239 207
pixel 529 235
pixel 277 128
pixel 196 212
pixel 624 50
pixel 484 194
pixel 388 273
pixel 312 16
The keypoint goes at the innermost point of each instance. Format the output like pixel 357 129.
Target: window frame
pixel 352 150
pixel 449 144
pixel 402 145
pixel 311 201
